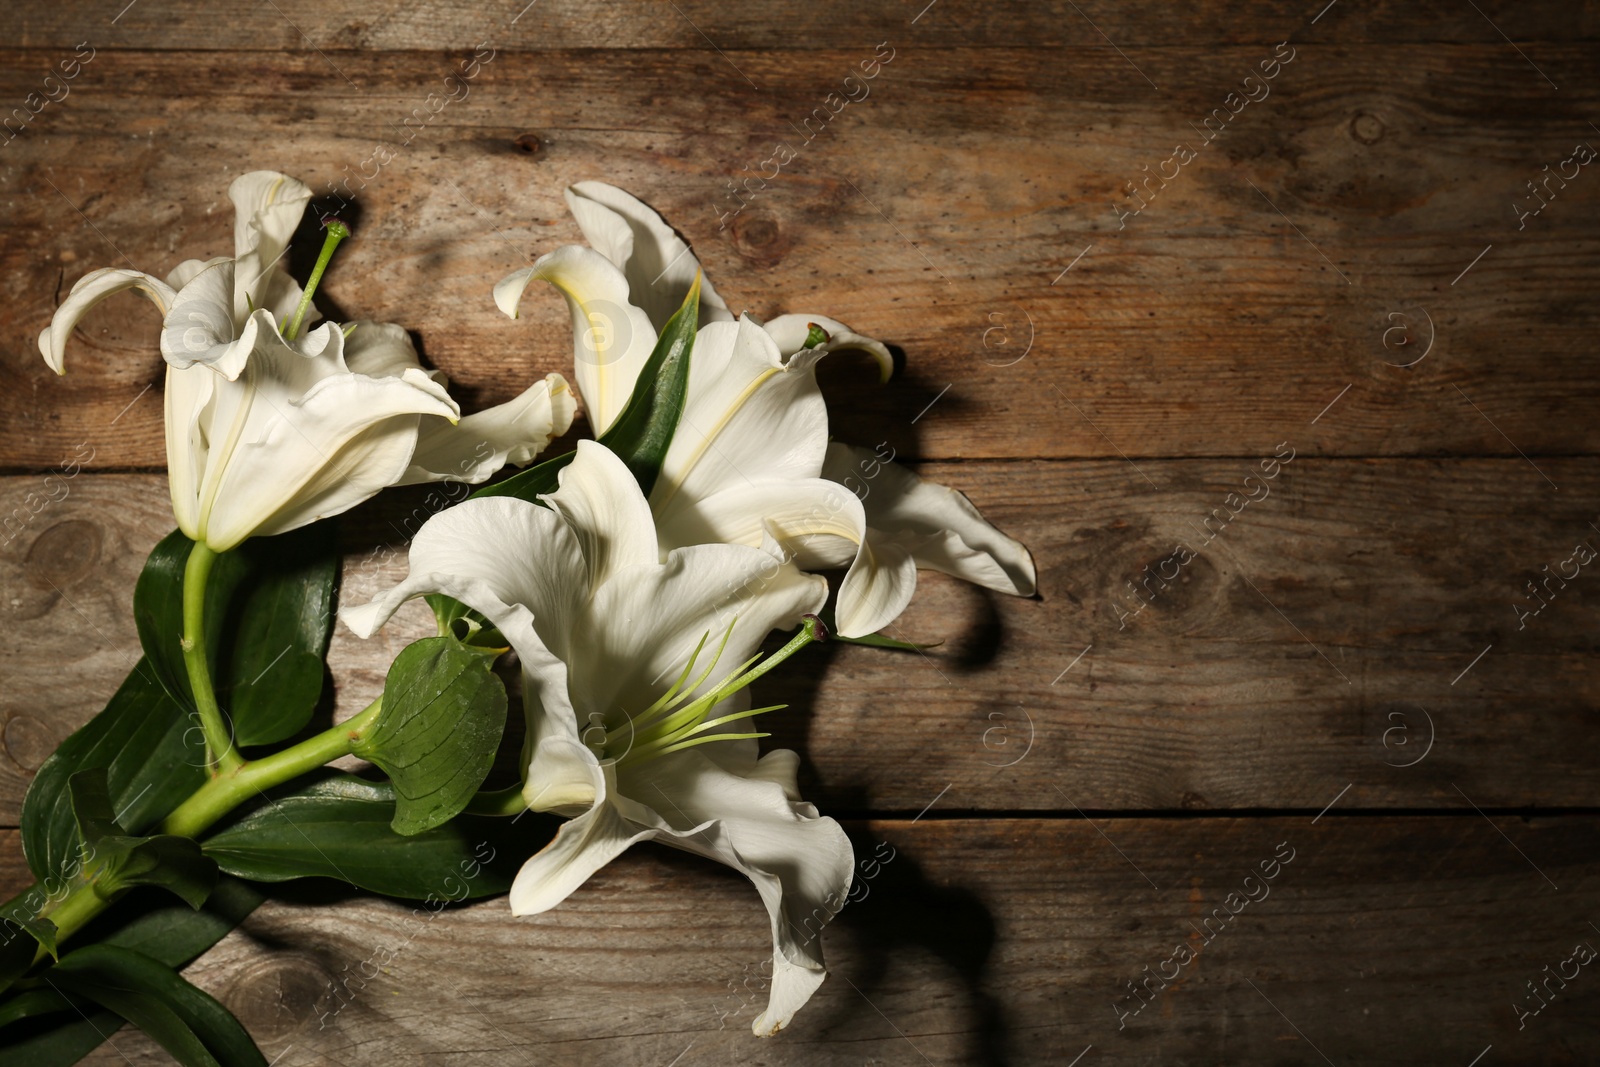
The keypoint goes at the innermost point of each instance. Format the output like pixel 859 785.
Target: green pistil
pixel 336 232
pixel 666 726
pixel 815 335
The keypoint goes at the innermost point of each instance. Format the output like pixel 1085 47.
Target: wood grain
pixel 1322 637
pixel 1221 310
pixel 696 25
pixel 977 941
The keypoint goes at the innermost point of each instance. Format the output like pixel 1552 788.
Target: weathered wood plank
pixel 436 25
pixel 1385 940
pixel 1329 631
pixel 959 191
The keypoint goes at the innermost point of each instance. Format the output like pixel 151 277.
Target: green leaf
pixel 32 1003
pixel 186 1022
pixel 176 864
pixel 443 714
pixel 153 756
pixel 41 1037
pixel 91 805
pixel 122 861
pixel 641 434
pixel 268 617
pixel 340 828
pixel 175 933
pixel 170 933
pixel 22 940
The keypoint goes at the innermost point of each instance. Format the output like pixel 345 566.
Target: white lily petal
pixel 353 471
pixel 500 555
pixel 876 589
pixel 485 441
pixel 297 438
pixel 188 393
pixel 601 502
pixel 200 327
pixel 86 293
pixel 379 349
pixel 658 264
pixel 581 846
pixel 790 333
pixel 749 417
pixel 612 338
pixel 817 522
pixel 936 524
pixel 185 272
pixel 800 864
pixel 267 209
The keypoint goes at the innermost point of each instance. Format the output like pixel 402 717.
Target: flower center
pixel 675 722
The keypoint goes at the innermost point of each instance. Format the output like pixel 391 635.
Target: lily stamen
pixel 665 727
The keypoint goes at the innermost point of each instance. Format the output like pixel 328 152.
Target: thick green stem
pixel 228 790
pixel 73 914
pixel 222 757
pixel 217 798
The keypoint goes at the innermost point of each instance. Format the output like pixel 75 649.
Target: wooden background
pixel 1342 674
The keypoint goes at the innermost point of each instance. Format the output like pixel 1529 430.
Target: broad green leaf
pixel 171 933
pixel 641 434
pixel 175 864
pixel 186 1022
pixel 19 943
pixel 122 861
pixel 91 805
pixel 32 1003
pixel 443 713
pixel 154 758
pixel 340 828
pixel 175 933
pixel 42 1036
pixel 268 618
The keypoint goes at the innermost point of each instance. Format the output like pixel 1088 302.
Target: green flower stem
pixel 72 914
pixel 222 757
pixel 507 801
pixel 228 790
pixel 217 798
pixel 337 231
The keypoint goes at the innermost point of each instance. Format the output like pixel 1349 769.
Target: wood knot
pixel 758 238
pixel 278 997
pixel 1366 127
pixel 529 143
pixel 28 742
pixel 63 553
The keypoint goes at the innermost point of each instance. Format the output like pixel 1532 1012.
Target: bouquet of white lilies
pixel 634 581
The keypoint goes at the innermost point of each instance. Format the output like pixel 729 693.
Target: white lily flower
pixel 751 457
pixel 267 431
pixel 626 733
